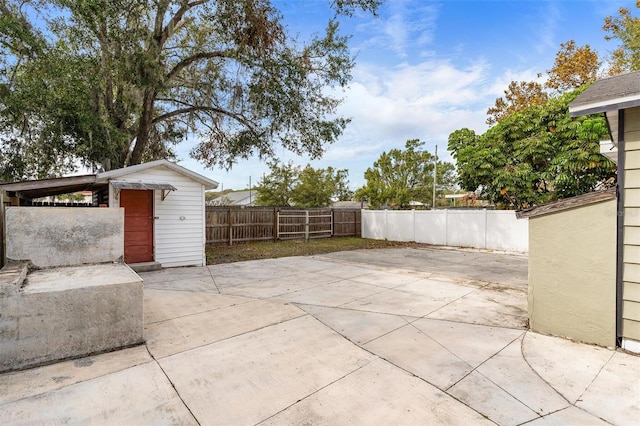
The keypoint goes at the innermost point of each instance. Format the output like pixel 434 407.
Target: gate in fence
pixel 234 224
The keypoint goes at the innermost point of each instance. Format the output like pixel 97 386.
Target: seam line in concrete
pixel 202 312
pixel 302 314
pixel 316 391
pixel 524 357
pixel 173 386
pixel 596 376
pixel 484 362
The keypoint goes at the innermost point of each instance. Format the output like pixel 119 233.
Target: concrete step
pixel 145 266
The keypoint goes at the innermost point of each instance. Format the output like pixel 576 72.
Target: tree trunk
pixel 144 128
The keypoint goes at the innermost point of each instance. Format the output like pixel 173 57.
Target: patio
pixel 395 336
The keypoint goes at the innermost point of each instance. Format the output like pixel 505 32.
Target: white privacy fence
pixel 484 229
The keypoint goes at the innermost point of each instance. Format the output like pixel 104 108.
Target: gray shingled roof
pixel 568 203
pixel 609 94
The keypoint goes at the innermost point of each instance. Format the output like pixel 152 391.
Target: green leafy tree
pixel 535 156
pixel 276 188
pixel 318 187
pixel 625 28
pixel 401 176
pixel 289 185
pixel 117 82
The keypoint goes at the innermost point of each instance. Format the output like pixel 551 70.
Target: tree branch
pixel 168 29
pixel 195 108
pixel 191 59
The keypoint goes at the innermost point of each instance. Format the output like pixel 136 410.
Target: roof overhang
pixel 33 189
pixel 606 106
pixel 122 173
pixel 568 203
pixel 608 96
pixel 144 186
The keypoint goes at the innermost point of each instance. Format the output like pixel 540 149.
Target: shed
pixel 618 98
pixel 164 208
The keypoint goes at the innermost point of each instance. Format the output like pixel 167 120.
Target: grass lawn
pixel 222 253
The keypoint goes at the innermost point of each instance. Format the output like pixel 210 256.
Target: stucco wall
pixel 59 236
pixel 572 273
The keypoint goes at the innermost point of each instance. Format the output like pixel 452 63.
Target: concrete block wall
pixel 59 236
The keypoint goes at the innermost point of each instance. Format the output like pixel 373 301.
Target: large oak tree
pixel 117 82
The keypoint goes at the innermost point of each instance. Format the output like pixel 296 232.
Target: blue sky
pixel 427 68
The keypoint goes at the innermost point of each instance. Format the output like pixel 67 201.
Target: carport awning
pixel 140 185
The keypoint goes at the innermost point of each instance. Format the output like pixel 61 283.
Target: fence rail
pixel 238 224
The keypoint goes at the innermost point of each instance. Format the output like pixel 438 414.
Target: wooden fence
pixel 238 224
pixel 2 229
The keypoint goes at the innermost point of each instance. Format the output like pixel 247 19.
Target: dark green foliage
pixel 534 156
pixel 113 83
pixel 399 177
pixel 289 185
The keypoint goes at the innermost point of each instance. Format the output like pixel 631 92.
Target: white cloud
pixel 408 24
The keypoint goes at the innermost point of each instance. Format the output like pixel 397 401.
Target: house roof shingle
pixel 609 94
pixel 568 203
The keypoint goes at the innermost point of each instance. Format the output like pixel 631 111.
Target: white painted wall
pixel 178 242
pixel 485 229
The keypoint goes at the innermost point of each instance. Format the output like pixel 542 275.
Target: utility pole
pixel 249 191
pixel 435 171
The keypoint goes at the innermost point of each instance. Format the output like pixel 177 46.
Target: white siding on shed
pixel 177 242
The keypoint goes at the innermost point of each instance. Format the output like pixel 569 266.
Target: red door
pixel 138 225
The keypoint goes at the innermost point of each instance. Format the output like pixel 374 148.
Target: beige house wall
pixel 631 255
pixel 572 273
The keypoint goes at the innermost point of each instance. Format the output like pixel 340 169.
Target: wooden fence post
pixel 2 229
pixel 230 227
pixel 275 223
pixel 306 225
pixel 333 222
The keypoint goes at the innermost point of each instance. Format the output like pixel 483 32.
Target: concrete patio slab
pixel 277 286
pixel 474 344
pixel 386 279
pixel 195 284
pixel 250 378
pixel 136 395
pixel 176 274
pixel 187 332
pixel 568 366
pixel 358 326
pixel 614 394
pixel 439 290
pixel 484 396
pixel 398 399
pixel 492 305
pixel 414 351
pixel 470 264
pixel 36 381
pixel 332 294
pixel 437 344
pixel 569 416
pixel 398 302
pixel 510 371
pixel 162 305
